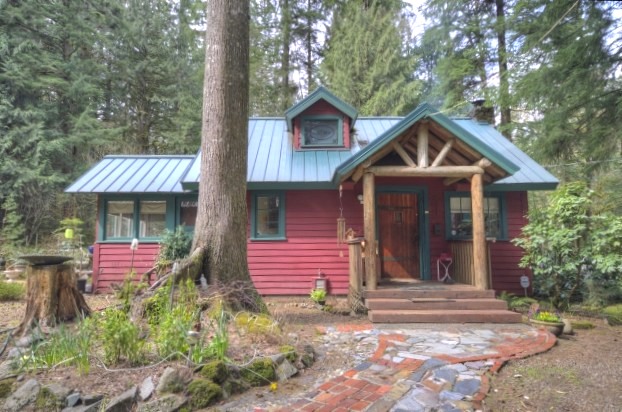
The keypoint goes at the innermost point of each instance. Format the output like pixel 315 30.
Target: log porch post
pixel 480 261
pixel 369 216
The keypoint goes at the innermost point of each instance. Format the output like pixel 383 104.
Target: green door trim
pixel 423 222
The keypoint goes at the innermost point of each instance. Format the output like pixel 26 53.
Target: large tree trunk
pixel 504 81
pixel 220 231
pixel 51 297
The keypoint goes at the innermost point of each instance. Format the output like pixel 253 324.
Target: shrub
pixel 121 337
pixel 11 291
pixel 613 314
pixel 174 246
pixel 566 245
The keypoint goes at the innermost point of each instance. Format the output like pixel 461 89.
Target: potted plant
pixel 318 296
pixel 549 320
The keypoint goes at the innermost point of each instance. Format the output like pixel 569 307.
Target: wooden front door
pixel 398 235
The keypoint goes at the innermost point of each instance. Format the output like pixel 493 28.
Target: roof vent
pixel 482 113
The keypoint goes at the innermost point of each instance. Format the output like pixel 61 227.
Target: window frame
pixel 102 235
pixel 503 223
pixel 339 143
pixel 281 231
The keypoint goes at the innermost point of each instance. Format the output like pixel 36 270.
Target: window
pixel 459 217
pixel 120 219
pixel 134 218
pixel 322 131
pixel 152 218
pixel 268 216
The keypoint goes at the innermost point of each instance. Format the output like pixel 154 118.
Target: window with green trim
pixel 133 218
pixel 268 216
pixel 322 131
pixel 459 222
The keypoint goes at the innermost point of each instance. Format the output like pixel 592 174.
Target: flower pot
pixel 556 328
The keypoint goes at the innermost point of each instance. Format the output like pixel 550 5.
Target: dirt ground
pixel 582 372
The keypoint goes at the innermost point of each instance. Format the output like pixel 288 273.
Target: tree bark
pixel 504 82
pixel 51 297
pixel 220 232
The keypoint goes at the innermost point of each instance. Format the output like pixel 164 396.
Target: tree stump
pixel 51 296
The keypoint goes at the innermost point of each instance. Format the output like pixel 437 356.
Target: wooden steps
pixel 454 304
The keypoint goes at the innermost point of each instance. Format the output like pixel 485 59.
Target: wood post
pixel 480 267
pixel 355 292
pixel 422 144
pixel 369 216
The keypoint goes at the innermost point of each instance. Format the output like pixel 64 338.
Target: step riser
pixel 437 305
pixel 423 294
pixel 396 317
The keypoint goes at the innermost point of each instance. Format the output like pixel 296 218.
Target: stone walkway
pixel 420 367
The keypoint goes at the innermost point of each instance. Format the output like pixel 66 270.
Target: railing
pixel 355 291
pixel 462 270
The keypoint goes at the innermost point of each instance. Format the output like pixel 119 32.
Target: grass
pixel 11 291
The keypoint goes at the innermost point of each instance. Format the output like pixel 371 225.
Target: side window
pixel 119 219
pixel 460 224
pixel 268 216
pixel 152 214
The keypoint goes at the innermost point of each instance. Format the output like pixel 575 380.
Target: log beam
pixel 439 171
pixel 480 267
pixel 422 144
pixel 482 163
pixel 404 155
pixel 443 153
pixel 369 218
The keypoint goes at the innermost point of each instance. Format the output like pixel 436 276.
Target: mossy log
pixel 51 297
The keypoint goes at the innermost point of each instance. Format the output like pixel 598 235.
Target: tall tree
pixel 220 231
pixel 369 61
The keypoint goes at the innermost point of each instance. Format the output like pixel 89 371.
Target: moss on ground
pixel 260 372
pixel 215 371
pixel 6 387
pixel 290 352
pixel 203 392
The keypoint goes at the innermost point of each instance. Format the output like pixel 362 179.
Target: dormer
pixel 321 121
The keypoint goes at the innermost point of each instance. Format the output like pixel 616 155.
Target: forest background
pixel 82 79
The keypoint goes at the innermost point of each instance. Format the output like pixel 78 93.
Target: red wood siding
pixel 112 262
pixel 288 267
pixel 319 108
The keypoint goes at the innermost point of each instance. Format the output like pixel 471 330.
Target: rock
pixel 567 327
pixel 167 403
pixel 73 399
pixel 215 371
pixel 28 340
pixel 450 396
pixel 203 392
pixel 91 399
pixel 6 370
pixel 58 391
pixel 6 387
pixel 15 353
pixel 94 407
pixel 25 394
pixel 277 359
pixel 285 370
pixel 174 380
pixel 446 374
pixel 430 364
pixel 467 386
pixel 146 389
pixel 123 402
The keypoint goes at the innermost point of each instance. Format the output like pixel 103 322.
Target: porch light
pixel 320 282
pixel 360 198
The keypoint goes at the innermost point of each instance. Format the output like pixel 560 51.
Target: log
pixel 480 267
pixel 422 144
pixel 51 297
pixel 369 217
pixel 439 171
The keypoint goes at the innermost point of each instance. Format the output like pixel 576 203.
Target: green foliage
pixel 517 303
pixel 613 314
pixel 290 353
pixel 219 344
pixel 174 245
pixel 67 347
pixel 10 291
pixel 129 289
pixel 378 79
pixel 203 392
pixel 565 245
pixel 545 316
pixel 121 338
pixel 318 295
pixel 582 324
pixel 172 335
pixel 253 323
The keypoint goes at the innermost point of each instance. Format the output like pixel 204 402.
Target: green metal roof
pixel 321 93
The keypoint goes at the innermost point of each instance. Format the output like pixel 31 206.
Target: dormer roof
pixel 321 93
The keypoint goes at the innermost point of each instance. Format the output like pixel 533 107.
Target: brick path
pixel 388 381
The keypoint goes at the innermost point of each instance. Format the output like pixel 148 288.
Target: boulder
pixel 123 402
pixel 285 370
pixel 174 380
pixel 146 389
pixel 24 395
pixel 167 403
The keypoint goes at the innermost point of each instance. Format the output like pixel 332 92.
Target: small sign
pixel 189 203
pixel 524 281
